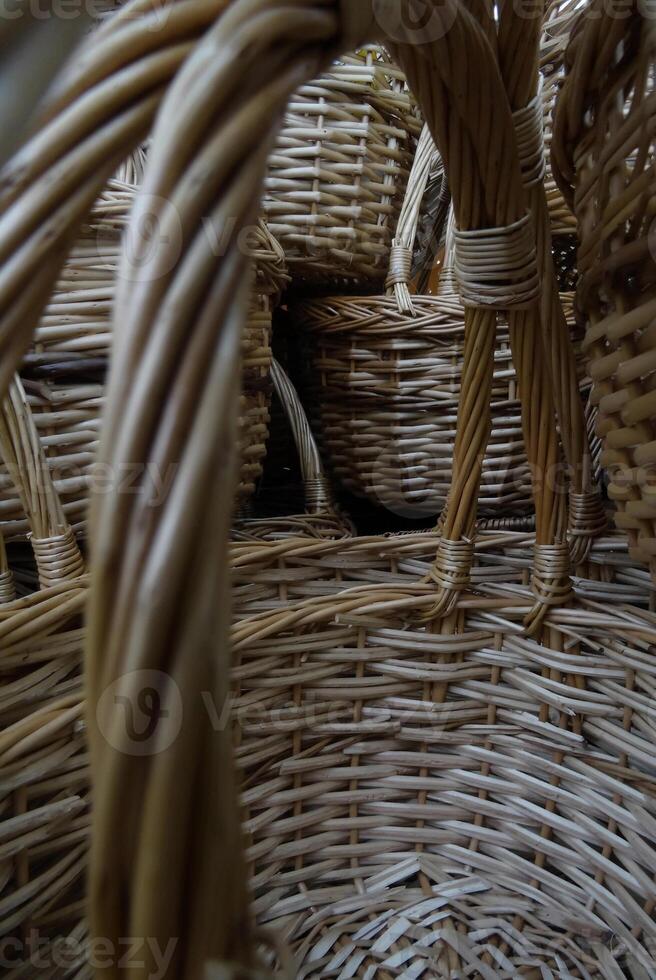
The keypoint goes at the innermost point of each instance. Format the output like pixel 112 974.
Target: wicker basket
pixel 64 369
pixel 446 788
pixel 604 156
pixel 338 172
pixel 389 370
pixel 454 801
pixel 511 823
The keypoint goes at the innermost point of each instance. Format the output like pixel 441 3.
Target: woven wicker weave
pixel 453 798
pixel 527 817
pixel 455 801
pixel 337 175
pixel 44 762
pixel 389 372
pixel 387 403
pixel 65 368
pixel 604 154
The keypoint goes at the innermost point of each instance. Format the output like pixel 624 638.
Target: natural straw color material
pixel 64 370
pixel 390 368
pixel 337 175
pixel 603 155
pixel 389 825
pixel 455 801
pixel 44 774
pixel 384 388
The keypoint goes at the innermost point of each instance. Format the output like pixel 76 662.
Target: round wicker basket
pixel 385 377
pixel 385 403
pixel 337 175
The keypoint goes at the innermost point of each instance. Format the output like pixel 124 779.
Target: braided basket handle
pixel 56 551
pixel 318 493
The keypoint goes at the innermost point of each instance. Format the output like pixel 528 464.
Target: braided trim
pixel 496 267
pixel 528 123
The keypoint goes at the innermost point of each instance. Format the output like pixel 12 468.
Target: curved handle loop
pixel 318 493
pixel 398 277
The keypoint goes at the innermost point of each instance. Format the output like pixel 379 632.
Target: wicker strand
pixel 400 267
pixel 176 333
pixel 318 493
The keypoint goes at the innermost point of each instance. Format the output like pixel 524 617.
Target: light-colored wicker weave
pixel 454 798
pixel 336 178
pixel 384 386
pixel 385 379
pixel 604 154
pixel 64 369
pixel 460 801
pixel 527 810
pixel 44 760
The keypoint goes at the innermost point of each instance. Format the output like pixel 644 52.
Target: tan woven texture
pixel 73 340
pixel 442 800
pixel 604 157
pixel 449 774
pixel 385 387
pixel 336 178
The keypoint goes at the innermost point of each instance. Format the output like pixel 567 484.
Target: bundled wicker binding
pixel 604 159
pixel 385 381
pixel 337 176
